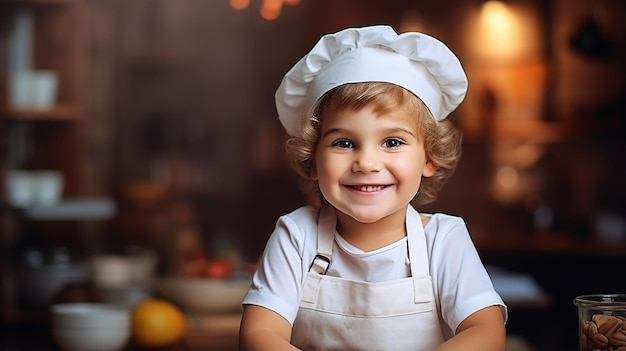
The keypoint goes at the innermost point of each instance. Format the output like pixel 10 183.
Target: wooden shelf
pixel 80 209
pixel 52 137
pixel 62 112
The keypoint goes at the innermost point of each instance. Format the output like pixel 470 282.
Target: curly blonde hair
pixel 442 140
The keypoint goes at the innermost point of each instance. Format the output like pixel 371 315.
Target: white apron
pixel 341 314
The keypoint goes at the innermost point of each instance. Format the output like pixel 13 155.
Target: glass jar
pixel 602 322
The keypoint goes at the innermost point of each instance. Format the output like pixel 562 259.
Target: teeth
pixel 369 188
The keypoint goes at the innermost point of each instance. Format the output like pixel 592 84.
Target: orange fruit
pixel 157 323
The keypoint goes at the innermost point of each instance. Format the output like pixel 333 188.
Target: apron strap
pixel 325 237
pixel 418 254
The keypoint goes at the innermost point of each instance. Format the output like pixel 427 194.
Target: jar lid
pixel 601 300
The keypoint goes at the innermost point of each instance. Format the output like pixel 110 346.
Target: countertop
pixel 212 332
pixel 206 332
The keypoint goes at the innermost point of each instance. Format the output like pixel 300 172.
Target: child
pixel 365 111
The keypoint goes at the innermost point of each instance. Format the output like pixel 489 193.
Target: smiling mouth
pixel 368 188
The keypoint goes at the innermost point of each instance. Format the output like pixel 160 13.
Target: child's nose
pixel 367 161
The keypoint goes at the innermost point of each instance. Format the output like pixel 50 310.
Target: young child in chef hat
pixel 366 113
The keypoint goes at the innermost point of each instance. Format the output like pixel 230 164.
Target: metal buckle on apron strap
pixel 321 264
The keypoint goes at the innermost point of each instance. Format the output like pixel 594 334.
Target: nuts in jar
pixel 602 320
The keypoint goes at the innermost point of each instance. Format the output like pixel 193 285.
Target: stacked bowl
pixel 80 326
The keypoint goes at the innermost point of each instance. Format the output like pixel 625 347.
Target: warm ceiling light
pixel 269 10
pixel 239 4
pixel 269 13
pixel 500 31
pixel 496 15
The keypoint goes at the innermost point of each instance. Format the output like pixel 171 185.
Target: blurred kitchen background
pixel 138 128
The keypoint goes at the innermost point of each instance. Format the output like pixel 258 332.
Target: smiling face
pixel 369 165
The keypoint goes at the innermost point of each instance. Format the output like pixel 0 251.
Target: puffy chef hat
pixel 415 61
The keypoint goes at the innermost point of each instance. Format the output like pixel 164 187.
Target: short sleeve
pixel 278 280
pixel 459 276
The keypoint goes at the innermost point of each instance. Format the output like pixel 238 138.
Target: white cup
pixel 49 187
pixel 34 89
pixel 44 86
pixel 19 89
pixel 20 188
pixel 25 188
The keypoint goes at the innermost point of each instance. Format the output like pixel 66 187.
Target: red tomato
pixel 218 269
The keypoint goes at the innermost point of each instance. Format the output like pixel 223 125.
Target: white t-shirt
pixel 460 282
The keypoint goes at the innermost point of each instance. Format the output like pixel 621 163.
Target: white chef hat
pixel 415 61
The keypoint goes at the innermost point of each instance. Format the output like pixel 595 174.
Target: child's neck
pixel 372 236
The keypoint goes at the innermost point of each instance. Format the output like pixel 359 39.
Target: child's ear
pixel 429 169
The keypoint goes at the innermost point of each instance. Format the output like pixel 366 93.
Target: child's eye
pixel 393 143
pixel 344 144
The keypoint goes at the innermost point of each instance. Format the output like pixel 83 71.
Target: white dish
pixel 83 326
pixel 202 294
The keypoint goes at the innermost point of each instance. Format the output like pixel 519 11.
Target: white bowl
pixel 112 339
pixel 79 326
pixel 202 294
pixel 85 315
pixel 119 271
